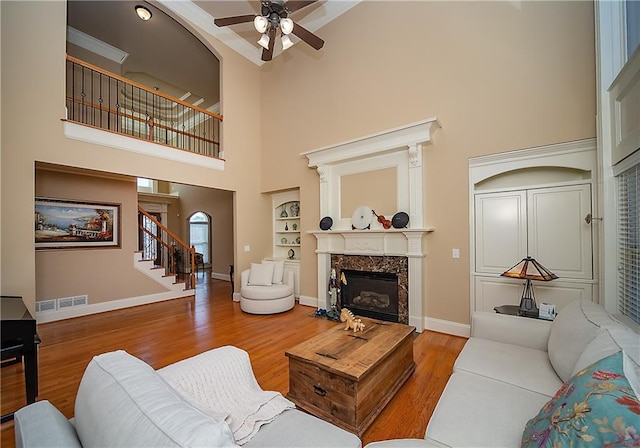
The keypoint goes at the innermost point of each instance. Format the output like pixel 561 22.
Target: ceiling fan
pixel 274 16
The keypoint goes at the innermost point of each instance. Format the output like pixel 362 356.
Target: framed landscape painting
pixel 66 224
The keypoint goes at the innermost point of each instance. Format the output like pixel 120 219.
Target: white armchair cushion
pixel 261 274
pixel 278 270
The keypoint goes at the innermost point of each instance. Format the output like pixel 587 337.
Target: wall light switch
pixel 455 253
pixel 247 248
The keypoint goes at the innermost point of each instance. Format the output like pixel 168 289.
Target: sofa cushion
pixel 122 402
pixel 520 366
pixel 609 341
pixel 297 429
pixel 478 411
pixel 261 274
pixel 278 270
pixel 40 424
pixel 575 326
pixel 596 407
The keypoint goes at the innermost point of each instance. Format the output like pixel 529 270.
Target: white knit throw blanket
pixel 221 383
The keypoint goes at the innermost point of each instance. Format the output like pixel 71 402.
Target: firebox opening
pixel 370 294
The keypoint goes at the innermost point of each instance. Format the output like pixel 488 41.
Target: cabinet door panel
pixel 501 234
pixel 559 237
pixel 496 291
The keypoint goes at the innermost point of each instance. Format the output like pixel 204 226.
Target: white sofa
pixel 512 366
pixel 266 288
pixel 123 402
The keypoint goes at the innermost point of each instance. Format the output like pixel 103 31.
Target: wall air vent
pixel 69 302
pixel 46 305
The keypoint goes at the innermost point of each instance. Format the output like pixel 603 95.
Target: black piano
pixel 19 340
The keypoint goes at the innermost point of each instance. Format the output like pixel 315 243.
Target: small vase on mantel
pixel 286 226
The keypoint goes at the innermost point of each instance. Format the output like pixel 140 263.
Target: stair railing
pixel 167 250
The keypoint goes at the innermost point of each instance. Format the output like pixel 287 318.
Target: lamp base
pixel 528 313
pixel 528 305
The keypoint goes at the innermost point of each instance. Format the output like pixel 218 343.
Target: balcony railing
pixel 107 101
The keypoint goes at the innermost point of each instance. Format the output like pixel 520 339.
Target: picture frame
pixel 71 224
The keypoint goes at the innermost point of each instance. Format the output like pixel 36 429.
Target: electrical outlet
pixel 455 253
pixel 247 248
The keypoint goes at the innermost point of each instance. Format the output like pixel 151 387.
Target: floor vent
pixel 46 305
pixel 69 302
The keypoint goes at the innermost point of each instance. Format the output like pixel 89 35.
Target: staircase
pixel 162 255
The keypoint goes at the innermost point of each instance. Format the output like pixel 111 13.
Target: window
pixel 147 185
pixel 628 186
pixel 632 11
pixel 199 231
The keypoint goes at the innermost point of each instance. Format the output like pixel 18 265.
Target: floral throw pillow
pixel 597 407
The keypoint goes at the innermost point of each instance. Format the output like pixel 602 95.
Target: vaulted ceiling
pixel 163 54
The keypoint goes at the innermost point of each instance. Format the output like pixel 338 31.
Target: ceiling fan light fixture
pixel 286 25
pixel 143 12
pixel 286 42
pixel 264 41
pixel 261 24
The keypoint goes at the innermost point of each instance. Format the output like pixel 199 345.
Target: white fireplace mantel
pixel 399 148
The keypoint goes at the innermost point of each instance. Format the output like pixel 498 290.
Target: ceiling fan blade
pixel 307 36
pixel 294 5
pixel 267 54
pixel 226 21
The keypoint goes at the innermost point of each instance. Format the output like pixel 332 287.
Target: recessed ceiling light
pixel 143 12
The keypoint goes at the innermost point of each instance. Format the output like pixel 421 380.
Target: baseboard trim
pixel 236 296
pixel 219 276
pixel 95 308
pixel 447 327
pixel 308 301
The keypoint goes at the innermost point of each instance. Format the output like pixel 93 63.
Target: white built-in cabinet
pixel 546 223
pixel 536 202
pixel 287 233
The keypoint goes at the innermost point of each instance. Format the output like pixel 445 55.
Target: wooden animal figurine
pixel 351 321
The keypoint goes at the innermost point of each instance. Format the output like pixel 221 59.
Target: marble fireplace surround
pixel 400 148
pixel 395 265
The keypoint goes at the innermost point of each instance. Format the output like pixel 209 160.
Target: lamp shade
pixel 528 268
pixel 286 42
pixel 264 41
pixel 261 24
pixel 286 25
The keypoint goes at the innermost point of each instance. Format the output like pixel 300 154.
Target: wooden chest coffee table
pixel 347 378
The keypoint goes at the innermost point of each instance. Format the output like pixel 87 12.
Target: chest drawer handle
pixel 319 390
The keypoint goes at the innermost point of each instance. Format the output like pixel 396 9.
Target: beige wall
pixel 33 39
pixel 376 189
pixel 218 204
pixel 102 274
pixel 498 76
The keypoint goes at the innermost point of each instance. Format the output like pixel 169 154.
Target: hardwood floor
pixel 166 332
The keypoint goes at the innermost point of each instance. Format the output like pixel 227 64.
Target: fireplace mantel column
pixel 415 255
pixel 416 186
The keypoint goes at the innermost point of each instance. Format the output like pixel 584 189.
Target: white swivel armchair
pixel 266 288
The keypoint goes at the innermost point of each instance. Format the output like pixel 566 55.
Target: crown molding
pixel 96 46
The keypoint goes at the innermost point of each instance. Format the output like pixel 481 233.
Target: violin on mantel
pixel 386 223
